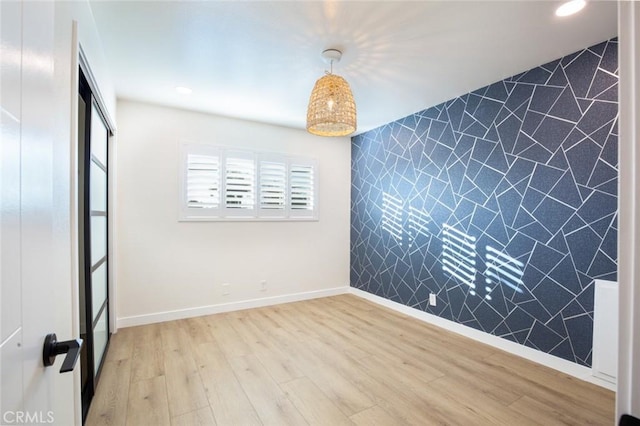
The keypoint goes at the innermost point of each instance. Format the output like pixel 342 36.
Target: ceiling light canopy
pixel 183 90
pixel 332 110
pixel 570 7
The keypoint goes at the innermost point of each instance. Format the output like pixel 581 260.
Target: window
pixel 226 184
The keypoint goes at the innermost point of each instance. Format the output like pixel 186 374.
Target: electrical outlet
pixel 263 285
pixel 225 289
pixel 432 299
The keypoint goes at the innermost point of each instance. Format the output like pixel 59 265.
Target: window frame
pixel 225 214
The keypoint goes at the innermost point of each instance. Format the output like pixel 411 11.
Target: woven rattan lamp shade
pixel 332 110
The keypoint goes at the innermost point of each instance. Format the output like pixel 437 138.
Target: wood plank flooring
pixel 334 361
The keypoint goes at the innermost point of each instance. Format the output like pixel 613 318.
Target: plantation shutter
pixel 203 181
pixel 273 188
pixel 302 190
pixel 240 184
pixel 200 182
pixel 218 184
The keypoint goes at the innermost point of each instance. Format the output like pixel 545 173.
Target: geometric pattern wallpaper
pixel 502 202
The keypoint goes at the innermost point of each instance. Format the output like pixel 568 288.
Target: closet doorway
pixel 93 238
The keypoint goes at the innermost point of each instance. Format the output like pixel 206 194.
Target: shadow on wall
pixel 503 202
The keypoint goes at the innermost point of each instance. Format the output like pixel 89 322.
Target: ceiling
pixel 259 60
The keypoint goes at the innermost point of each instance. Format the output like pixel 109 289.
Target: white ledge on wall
pixel 551 361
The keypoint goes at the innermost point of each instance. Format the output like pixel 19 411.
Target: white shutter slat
pixel 239 183
pixel 203 181
pixel 302 187
pixel 273 181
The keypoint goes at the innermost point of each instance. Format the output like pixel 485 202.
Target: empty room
pixel 319 213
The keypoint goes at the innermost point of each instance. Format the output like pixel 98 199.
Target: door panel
pixel 98 137
pixel 10 357
pixel 93 254
pixel 37 211
pixel 98 238
pixel 98 234
pixel 98 289
pixel 100 337
pixel 98 188
pixel 10 299
pixel 32 285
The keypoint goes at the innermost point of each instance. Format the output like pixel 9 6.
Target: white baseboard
pixel 559 364
pixel 226 307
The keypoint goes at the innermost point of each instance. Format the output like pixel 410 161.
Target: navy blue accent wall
pixel 502 202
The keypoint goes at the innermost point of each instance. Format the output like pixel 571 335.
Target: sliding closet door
pixel 94 242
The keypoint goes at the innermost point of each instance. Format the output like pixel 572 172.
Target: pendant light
pixel 332 110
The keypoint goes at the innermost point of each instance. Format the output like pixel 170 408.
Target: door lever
pixel 53 348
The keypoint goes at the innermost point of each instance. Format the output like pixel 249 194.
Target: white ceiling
pixel 259 60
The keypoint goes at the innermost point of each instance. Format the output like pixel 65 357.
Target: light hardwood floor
pixel 331 361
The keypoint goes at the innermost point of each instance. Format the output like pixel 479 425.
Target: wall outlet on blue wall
pixel 432 299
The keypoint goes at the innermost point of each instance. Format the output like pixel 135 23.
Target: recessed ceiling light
pixel 570 7
pixel 183 90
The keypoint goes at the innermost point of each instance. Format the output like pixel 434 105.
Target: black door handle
pixel 629 420
pixel 53 348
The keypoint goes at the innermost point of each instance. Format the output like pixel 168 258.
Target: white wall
pixel 164 265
